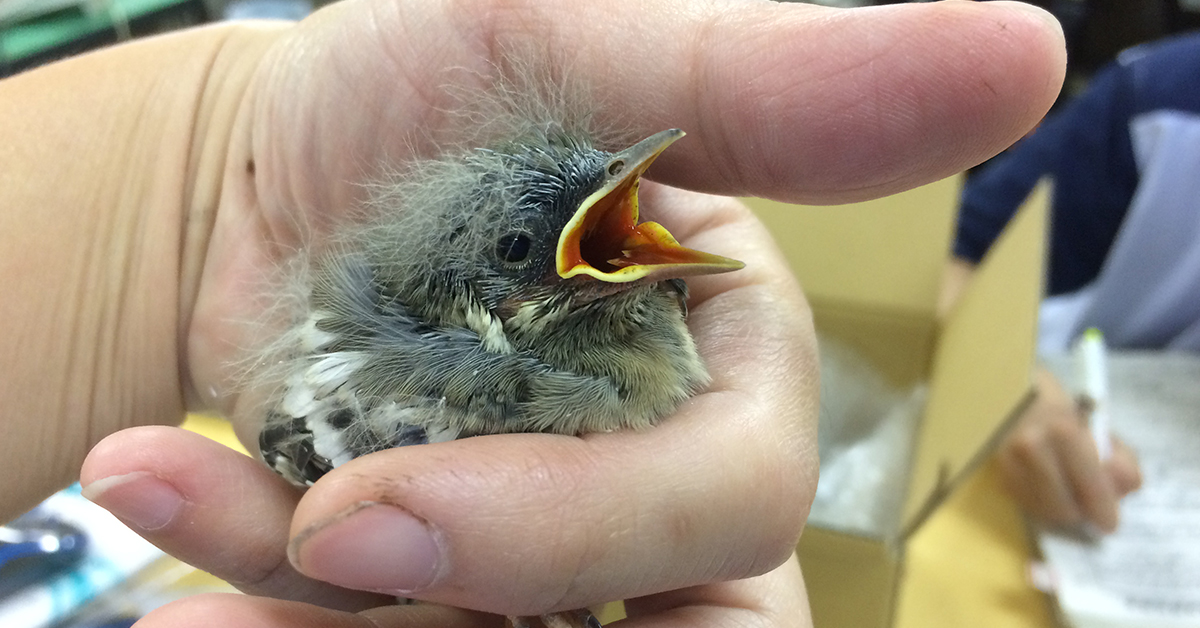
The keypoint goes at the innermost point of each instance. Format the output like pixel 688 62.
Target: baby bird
pixel 501 289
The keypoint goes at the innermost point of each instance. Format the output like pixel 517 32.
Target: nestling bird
pixel 501 289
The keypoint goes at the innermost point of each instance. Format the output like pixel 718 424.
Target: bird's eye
pixel 616 167
pixel 513 247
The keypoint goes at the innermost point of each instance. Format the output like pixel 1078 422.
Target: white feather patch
pixel 331 371
pixel 441 434
pixel 327 442
pixel 298 400
pixel 490 330
pixel 311 338
pixel 533 316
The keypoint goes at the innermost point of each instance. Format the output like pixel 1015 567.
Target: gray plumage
pixel 509 288
pixel 446 314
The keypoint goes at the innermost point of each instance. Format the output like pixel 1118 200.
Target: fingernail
pixel 140 499
pixel 372 547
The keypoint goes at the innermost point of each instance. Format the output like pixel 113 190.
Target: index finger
pixel 784 100
pixel 813 104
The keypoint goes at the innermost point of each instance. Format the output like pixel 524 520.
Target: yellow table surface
pixel 215 428
pixel 967 565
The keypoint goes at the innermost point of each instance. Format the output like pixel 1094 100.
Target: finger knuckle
pixel 1023 446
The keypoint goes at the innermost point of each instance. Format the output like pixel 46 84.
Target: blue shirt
pixel 1086 149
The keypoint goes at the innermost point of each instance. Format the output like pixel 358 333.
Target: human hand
pixel 527 523
pixel 794 102
pixel 1051 466
pixel 228 513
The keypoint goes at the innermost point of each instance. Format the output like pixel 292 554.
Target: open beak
pixel 603 239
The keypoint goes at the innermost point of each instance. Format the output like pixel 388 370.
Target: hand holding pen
pixel 1060 462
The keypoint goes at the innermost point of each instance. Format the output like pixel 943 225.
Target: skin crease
pixel 129 266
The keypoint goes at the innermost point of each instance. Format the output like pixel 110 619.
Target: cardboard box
pixel 872 272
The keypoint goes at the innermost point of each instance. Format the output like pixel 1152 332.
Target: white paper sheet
pixel 1147 574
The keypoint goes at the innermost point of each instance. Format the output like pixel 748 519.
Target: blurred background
pixel 33 32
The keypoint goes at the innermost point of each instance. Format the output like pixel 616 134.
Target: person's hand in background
pixel 1051 466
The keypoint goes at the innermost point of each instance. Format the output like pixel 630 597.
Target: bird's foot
pixel 578 618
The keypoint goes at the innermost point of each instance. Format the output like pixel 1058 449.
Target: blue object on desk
pixel 36 548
